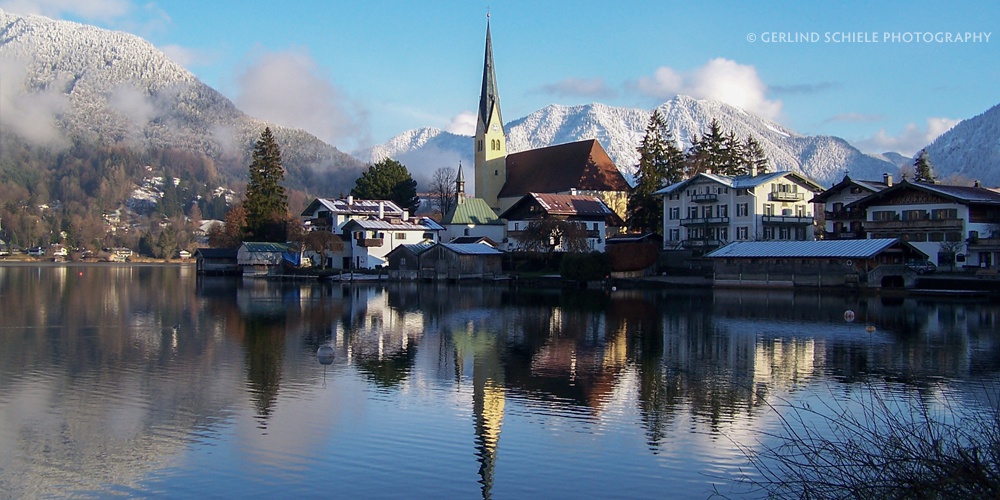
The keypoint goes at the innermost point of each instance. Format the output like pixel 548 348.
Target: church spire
pixel 490 97
pixel 460 186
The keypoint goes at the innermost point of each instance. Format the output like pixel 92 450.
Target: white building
pixel 840 221
pixel 952 224
pixel 708 210
pixel 369 241
pixel 331 215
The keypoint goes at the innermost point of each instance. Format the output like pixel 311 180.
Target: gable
pixel 582 165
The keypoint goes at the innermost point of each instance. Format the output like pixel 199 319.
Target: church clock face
pixel 495 127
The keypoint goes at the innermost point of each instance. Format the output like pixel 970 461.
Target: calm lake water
pixel 152 381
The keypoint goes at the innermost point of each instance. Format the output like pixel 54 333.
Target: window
pixel 724 234
pixel 400 236
pixel 883 215
pixel 675 213
pixel 723 210
pixel 675 234
pixel 838 207
pixel 784 233
pixel 741 233
pixel 706 211
pixel 742 209
pixel 800 233
pixel 768 209
pixel 914 214
pixel 692 212
pixel 944 213
pixel 800 210
pixel 479 145
pixel 769 233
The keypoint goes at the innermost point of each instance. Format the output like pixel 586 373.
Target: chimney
pixel 381 209
pixel 350 200
pixel 977 184
pixel 887 180
pixel 406 215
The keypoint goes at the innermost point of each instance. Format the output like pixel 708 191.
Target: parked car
pixel 922 266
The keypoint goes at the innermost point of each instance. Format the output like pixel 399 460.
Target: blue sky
pixel 358 73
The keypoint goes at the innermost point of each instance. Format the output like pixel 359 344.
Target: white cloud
pixel 909 141
pixel 719 79
pixel 463 123
pixel 33 116
pixel 287 88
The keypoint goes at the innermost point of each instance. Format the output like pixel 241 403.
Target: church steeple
pixel 489 98
pixel 491 142
pixel 460 186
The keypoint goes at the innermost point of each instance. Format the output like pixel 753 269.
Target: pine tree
pixel 754 157
pixel 923 171
pixel 388 180
pixel 266 203
pixel 660 163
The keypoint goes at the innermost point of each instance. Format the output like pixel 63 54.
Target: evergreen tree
pixel 923 171
pixel 266 203
pixel 388 180
pixel 754 158
pixel 658 165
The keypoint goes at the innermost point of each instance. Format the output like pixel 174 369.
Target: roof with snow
pixel 958 194
pixel 422 224
pixel 854 249
pixel 744 181
pixel 847 182
pixel 576 206
pixel 354 206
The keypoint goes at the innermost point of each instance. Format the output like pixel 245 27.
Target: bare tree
pixel 322 242
pixel 442 189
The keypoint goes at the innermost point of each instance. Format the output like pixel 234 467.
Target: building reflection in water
pixel 103 361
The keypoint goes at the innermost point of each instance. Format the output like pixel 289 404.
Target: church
pixel 580 168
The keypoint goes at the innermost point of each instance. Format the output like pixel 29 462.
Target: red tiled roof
pixel 583 165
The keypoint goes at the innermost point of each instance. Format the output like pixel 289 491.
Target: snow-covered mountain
pixel 65 82
pixel 619 130
pixel 970 150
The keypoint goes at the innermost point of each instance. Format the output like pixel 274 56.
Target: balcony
pixel 703 243
pixel 704 197
pixel 919 224
pixel 369 242
pixel 794 220
pixel 785 196
pixel 693 221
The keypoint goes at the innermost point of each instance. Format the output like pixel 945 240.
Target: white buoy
pixel 325 354
pixel 849 316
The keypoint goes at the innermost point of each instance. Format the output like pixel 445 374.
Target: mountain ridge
pixel 619 130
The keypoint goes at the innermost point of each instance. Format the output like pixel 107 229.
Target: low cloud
pixel 719 79
pixel 287 88
pixel 34 116
pixel 592 88
pixel 910 140
pixel 463 123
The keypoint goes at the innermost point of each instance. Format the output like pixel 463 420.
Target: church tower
pixel 491 142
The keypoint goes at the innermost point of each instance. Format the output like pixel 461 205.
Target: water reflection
pixel 112 376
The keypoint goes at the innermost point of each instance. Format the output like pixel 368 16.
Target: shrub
pixel 585 266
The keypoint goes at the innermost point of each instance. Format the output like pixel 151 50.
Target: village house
pixel 869 263
pixel 708 210
pixel 331 215
pixel 839 220
pixel 587 211
pixel 952 225
pixel 369 241
pixel 261 259
pixel 216 261
pixel 445 261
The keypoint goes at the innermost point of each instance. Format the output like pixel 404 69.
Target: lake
pixel 148 380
